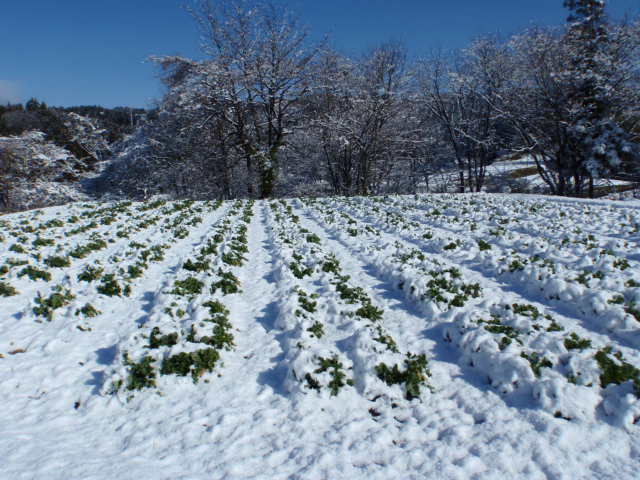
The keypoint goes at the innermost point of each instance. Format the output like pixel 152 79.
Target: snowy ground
pixel 520 174
pixel 436 336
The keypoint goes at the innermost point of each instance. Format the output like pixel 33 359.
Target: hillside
pixel 429 336
pixel 51 156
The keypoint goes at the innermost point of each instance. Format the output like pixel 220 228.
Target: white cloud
pixel 9 92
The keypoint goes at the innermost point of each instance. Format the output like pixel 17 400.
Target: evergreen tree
pixel 33 105
pixel 597 144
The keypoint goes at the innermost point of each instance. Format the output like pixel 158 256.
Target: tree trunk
pixel 249 161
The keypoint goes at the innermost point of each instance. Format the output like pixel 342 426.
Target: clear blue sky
pixel 86 52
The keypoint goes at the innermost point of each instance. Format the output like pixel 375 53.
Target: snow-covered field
pixel 436 336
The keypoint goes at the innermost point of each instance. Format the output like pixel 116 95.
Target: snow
pixel 507 174
pixel 507 391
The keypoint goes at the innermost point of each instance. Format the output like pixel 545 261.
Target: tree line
pixel 60 127
pixel 269 112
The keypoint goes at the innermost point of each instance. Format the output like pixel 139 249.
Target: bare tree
pixel 460 92
pixel 249 88
pixel 357 110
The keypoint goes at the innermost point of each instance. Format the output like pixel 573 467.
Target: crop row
pixel 189 326
pixel 603 290
pixel 97 279
pixel 322 309
pixel 51 262
pixel 520 349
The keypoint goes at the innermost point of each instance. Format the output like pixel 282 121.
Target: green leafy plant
pixel 82 251
pixel 307 304
pixel 482 245
pixel 413 376
pixel 90 273
pixel 181 233
pixel 351 295
pixel 82 229
pixel 221 338
pixel 153 254
pixel 46 307
pixel 17 248
pixel 517 265
pixel 216 307
pixel 194 363
pixel 156 339
pixel 35 273
pixel 621 263
pixel 616 300
pixel 370 312
pixel 495 326
pixel 451 246
pixel 632 310
pixel 386 339
pixel 316 329
pixel 7 290
pixel 536 361
pixel 188 286
pixel 526 310
pixel 336 372
pixel 200 265
pixel 554 327
pixel 109 286
pixel 88 311
pixel 135 271
pixel 299 271
pixel 232 258
pixel 574 342
pixel 331 265
pixel 57 262
pixel 228 283
pixel 54 223
pixel 313 238
pixel 614 370
pixel 141 374
pixel 43 242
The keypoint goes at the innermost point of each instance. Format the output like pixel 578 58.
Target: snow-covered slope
pixel 521 175
pixel 451 336
pixel 39 173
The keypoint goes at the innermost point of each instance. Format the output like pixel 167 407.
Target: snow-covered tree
pixel 35 172
pixel 87 135
pixel 266 113
pixel 361 120
pixel 595 71
pixel 570 95
pixel 258 68
pixel 461 93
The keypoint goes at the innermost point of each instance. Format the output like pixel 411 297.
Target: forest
pixel 269 112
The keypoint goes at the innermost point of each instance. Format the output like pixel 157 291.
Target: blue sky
pixel 86 52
